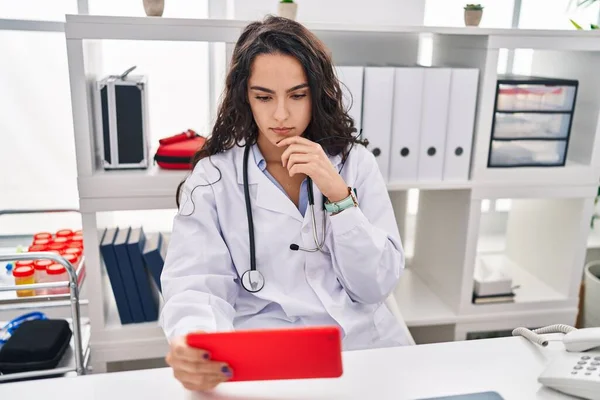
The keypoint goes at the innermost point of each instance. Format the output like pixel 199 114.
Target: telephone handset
pixel 577 370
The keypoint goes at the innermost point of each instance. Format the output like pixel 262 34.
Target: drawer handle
pixel 431 151
pixel 404 152
pixel 459 151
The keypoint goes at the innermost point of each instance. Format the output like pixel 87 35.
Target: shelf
pixel 419 305
pixel 154 189
pixel 227 30
pixel 66 365
pixel 114 330
pixel 532 294
pixel 10 297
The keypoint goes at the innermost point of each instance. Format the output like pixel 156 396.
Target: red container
pixel 177 152
pixel 43 242
pixel 42 235
pixel 64 233
pixel 37 247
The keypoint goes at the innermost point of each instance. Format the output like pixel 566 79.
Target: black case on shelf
pixel 35 345
pixel 568 111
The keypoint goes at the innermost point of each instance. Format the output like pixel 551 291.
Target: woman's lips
pixel 281 131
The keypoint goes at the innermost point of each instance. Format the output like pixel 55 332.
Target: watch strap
pixel 337 206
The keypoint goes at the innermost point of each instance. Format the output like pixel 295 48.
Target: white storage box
pixel 527 153
pixel 121 119
pixel 491 276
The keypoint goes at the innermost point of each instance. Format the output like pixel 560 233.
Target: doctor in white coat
pixel 281 132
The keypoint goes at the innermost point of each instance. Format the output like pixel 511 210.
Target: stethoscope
pixel 253 280
pixel 7 330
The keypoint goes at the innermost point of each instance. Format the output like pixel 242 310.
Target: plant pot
pixel 288 10
pixel 473 17
pixel 591 302
pixel 154 8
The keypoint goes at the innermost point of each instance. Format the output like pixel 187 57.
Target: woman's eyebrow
pixel 264 89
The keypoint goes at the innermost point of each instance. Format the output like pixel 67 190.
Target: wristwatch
pixel 336 207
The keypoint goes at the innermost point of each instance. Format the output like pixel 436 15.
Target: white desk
pixel 509 366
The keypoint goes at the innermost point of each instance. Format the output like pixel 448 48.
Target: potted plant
pixel 154 8
pixel 288 9
pixel 473 14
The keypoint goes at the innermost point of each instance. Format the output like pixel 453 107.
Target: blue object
pixel 7 330
pixel 262 165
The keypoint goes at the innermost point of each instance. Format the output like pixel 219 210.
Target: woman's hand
pixel 303 156
pixel 193 368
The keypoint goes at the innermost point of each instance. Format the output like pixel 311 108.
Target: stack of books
pixel 134 263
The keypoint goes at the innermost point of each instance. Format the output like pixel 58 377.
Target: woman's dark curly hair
pixel 330 124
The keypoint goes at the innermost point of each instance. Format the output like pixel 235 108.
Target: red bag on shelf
pixel 177 151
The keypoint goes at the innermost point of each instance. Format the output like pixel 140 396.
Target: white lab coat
pixel 209 251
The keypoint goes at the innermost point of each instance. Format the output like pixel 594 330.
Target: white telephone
pixel 577 371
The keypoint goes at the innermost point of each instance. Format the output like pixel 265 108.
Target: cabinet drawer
pixel 527 153
pixel 535 97
pixel 531 125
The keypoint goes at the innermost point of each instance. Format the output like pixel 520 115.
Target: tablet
pixel 273 354
pixel 470 396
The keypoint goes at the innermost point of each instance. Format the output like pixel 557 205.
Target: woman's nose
pixel 281 112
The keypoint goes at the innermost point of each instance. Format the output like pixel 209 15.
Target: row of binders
pixel 134 263
pixel 418 120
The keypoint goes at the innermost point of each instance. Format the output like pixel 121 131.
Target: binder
pixel 154 253
pixel 351 83
pixel 406 123
pixel 131 290
pixel 114 275
pixel 148 296
pixel 432 144
pixel 461 119
pixel 377 114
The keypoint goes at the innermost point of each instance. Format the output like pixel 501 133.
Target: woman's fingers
pixel 299 158
pixel 198 383
pixel 181 350
pixel 295 149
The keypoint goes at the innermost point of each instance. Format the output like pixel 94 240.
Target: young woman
pixel 248 249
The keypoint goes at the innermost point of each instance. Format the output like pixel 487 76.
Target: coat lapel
pixel 263 192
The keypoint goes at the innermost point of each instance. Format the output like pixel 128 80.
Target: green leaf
pixel 576 25
pixel 593 26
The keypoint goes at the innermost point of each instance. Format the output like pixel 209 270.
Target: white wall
pixel 382 12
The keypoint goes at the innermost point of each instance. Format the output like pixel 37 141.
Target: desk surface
pixel 509 366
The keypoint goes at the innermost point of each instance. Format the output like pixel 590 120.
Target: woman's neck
pixel 270 152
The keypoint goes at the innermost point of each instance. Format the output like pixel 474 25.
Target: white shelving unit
pixel 434 294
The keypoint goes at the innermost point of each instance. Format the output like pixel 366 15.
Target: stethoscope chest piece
pixel 253 281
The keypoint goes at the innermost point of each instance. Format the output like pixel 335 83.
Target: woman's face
pixel 279 96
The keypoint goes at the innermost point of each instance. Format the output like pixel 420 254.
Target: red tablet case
pixel 274 354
